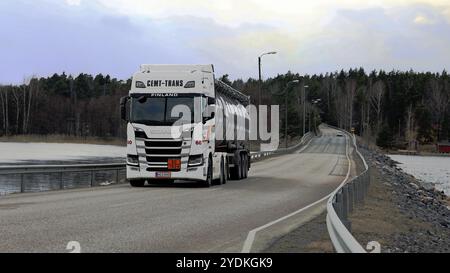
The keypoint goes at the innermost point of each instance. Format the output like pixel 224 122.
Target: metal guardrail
pixel 341 204
pixel 57 176
pixel 53 177
pixel 303 140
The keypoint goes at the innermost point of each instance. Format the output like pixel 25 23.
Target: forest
pixel 391 109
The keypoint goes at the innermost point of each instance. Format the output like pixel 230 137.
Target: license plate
pixel 162 175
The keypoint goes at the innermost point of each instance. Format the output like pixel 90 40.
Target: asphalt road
pixel 179 218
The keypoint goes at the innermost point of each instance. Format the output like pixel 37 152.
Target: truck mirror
pixel 209 113
pixel 123 108
pixel 211 101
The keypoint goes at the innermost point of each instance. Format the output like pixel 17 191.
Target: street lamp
pixel 304 108
pixel 286 109
pixel 313 102
pixel 259 69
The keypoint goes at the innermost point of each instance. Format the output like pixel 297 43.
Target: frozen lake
pixel 432 169
pixel 13 153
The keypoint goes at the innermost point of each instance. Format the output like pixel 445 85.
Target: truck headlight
pixel 133 160
pixel 195 160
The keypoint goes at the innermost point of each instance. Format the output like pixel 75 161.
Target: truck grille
pixel 159 151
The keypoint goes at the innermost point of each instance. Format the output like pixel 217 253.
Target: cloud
pixel 116 36
pixel 73 2
pixel 422 20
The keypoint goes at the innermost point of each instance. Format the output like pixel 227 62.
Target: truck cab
pixel 171 127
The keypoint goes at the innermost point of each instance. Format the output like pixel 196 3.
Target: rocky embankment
pixel 417 215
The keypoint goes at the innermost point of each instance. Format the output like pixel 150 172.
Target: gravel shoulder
pixel 399 212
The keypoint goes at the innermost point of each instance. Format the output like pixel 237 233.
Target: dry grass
pixel 379 218
pixel 428 148
pixel 63 139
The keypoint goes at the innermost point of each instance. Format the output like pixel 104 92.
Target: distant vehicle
pixel 201 152
pixel 339 135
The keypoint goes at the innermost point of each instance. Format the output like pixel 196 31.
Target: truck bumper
pixel 193 173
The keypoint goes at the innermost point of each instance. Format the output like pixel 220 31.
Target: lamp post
pixel 259 69
pixel 286 110
pixel 304 108
pixel 313 103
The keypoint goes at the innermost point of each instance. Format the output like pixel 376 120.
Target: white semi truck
pixel 183 124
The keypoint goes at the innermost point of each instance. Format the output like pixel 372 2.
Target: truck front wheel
pixel 244 166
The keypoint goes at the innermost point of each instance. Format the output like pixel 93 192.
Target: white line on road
pixel 251 235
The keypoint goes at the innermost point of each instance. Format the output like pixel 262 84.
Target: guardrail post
pixel 336 208
pixel 117 176
pixel 22 183
pixel 345 208
pixel 357 191
pixel 351 196
pixel 361 190
pixel 61 182
pixel 92 178
pixel 345 202
pixel 366 182
pixel 339 204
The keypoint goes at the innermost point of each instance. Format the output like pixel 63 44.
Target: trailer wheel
pixel 245 166
pixel 225 171
pixel 236 171
pixel 137 183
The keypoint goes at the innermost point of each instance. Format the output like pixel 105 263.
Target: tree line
pixel 66 105
pixel 393 108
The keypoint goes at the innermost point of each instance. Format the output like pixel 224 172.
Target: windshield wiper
pixel 149 122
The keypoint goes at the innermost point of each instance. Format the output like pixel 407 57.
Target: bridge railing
pixel 342 203
pixel 35 178
pixel 304 140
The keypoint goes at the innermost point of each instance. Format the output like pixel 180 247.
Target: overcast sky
pixel 116 36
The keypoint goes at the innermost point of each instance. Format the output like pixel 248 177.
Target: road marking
pixel 326 147
pixel 251 234
pixel 306 146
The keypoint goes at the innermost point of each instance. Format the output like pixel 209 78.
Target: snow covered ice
pixel 51 153
pixel 431 169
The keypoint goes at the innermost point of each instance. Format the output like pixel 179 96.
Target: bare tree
pixel 439 100
pixel 31 84
pixel 350 92
pixel 376 94
pixel 411 130
pixel 4 103
pixel 16 97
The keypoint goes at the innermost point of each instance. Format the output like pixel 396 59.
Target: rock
pixel 428 186
pixel 420 202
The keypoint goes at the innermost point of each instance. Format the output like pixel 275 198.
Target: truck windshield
pixel 158 111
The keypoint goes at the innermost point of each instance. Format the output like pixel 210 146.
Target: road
pixel 179 218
